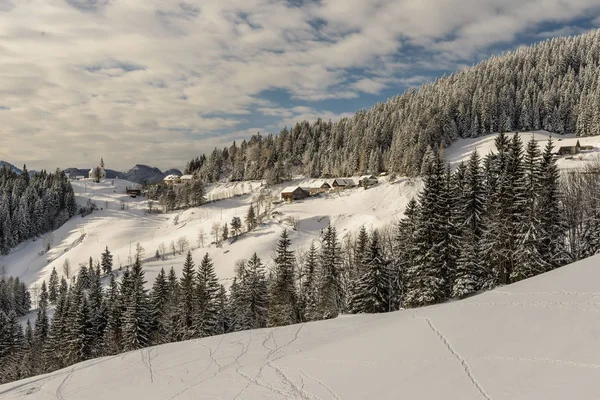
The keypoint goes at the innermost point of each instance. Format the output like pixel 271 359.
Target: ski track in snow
pixel 463 362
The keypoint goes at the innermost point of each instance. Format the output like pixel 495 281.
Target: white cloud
pixel 133 79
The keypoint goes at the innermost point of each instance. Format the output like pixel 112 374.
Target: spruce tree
pixel 160 308
pixel 471 272
pixel 251 218
pixel 404 247
pixel 53 286
pixel 309 290
pixel 552 225
pixel 331 290
pixel 283 298
pixel 372 293
pixel 206 322
pixel 136 318
pixel 425 278
pixel 112 340
pixel 107 261
pixel 187 306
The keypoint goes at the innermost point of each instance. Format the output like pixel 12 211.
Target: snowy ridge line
pixel 594 294
pixel 562 305
pixel 458 357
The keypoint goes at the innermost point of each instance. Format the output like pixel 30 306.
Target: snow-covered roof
pixel 290 189
pixel 171 178
pixel 186 177
pixel 566 142
pixel 367 177
pixel 317 185
pixel 344 181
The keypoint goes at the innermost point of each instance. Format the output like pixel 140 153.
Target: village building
pixel 98 173
pixel 319 187
pixel 294 193
pixel 568 146
pixel 342 183
pixel 171 179
pixel 186 178
pixel 133 191
pixel 368 180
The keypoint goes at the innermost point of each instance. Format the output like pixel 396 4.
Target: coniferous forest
pixel 552 85
pixel 494 220
pixel 32 205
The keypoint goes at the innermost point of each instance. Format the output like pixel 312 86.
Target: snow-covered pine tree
pixel 471 271
pixel 373 291
pixel 283 299
pixel 251 218
pixel 404 247
pixel 78 338
pixel 254 293
pixel 113 334
pixel 98 312
pixel 331 290
pixel 53 286
pixel 552 224
pixel 161 314
pixel 107 261
pixel 425 280
pixel 362 245
pixel 136 318
pixel 528 261
pixel 207 290
pixel 309 291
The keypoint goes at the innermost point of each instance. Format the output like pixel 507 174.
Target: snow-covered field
pixel 535 340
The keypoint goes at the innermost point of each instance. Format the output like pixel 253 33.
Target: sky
pixel 159 82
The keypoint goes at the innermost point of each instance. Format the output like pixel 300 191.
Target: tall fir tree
pixel 283 298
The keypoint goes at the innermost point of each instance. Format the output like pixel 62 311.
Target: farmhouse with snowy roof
pixel 568 146
pixel 318 187
pixel 342 183
pixel 294 193
pixel 171 179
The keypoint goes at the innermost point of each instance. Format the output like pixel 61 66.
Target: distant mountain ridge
pixel 10 166
pixel 140 173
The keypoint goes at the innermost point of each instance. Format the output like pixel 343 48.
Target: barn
pixel 319 187
pixel 294 193
pixel 342 183
pixel 368 180
pixel 570 147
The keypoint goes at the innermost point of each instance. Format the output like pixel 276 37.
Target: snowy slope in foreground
pixel 537 339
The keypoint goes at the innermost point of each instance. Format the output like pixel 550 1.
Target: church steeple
pixel 102 162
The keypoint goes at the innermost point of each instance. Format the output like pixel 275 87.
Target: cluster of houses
pixel 176 179
pixel 291 193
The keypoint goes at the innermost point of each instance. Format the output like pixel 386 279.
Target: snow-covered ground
pixel 120 230
pixel 538 339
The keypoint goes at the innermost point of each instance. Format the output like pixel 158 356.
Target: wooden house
pixel 319 187
pixel 368 180
pixel 171 179
pixel 342 183
pixel 570 147
pixel 294 193
pixel 186 178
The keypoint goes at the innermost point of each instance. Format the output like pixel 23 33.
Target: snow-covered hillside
pixel 120 230
pixel 538 339
pixel 462 148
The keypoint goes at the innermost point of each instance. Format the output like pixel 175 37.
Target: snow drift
pixel 536 339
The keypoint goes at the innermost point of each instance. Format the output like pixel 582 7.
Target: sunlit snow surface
pixel 537 339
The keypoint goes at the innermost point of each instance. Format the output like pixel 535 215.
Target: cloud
pixel 157 81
